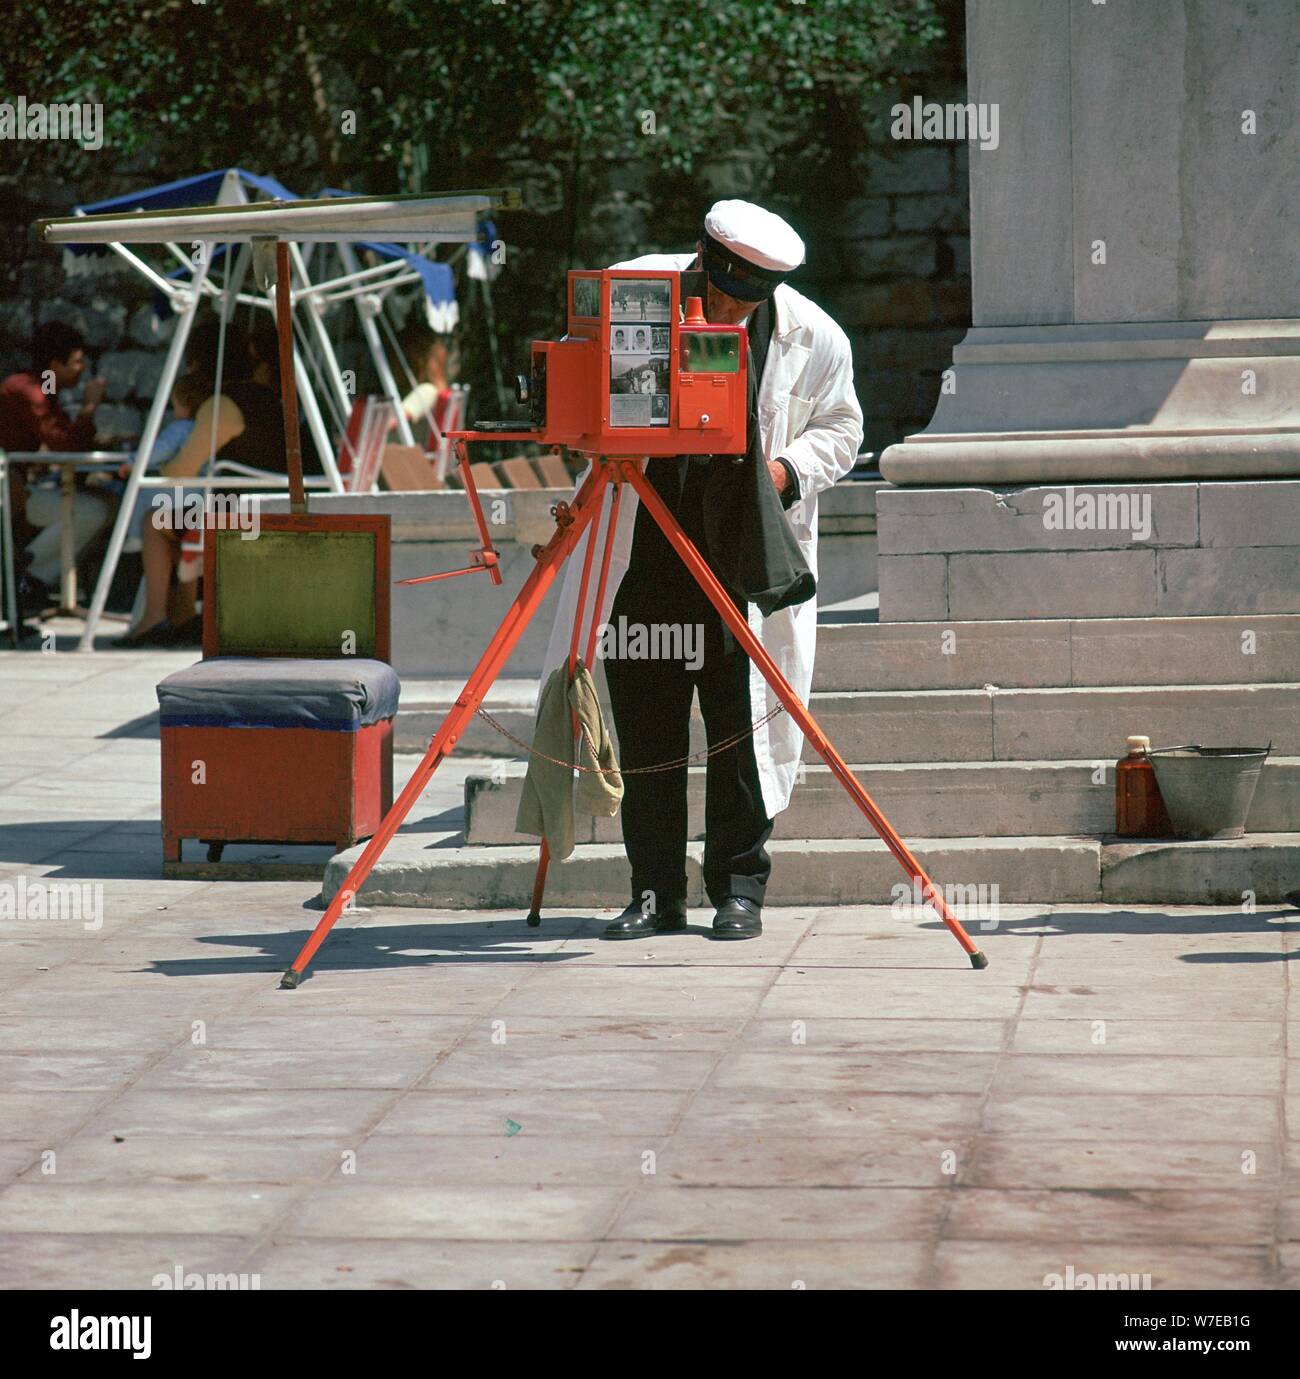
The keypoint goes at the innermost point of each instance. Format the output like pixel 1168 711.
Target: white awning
pixel 404 218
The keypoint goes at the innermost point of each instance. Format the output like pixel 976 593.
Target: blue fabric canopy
pixel 437 278
pixel 205 187
pixel 479 263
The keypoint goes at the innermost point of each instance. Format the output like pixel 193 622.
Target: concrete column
pixel 1133 247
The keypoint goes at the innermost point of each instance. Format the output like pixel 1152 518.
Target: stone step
pixel 429 870
pixel 1083 724
pixel 1055 724
pixel 425 703
pixel 932 799
pixel 1057 653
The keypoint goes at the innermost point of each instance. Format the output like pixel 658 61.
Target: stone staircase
pixel 990 746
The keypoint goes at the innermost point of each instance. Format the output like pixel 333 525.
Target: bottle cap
pixel 1138 744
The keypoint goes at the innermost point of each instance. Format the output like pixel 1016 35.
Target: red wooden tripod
pixel 571 521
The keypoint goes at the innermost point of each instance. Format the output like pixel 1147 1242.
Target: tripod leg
pixel 517 617
pixel 539 885
pixel 543 852
pixel 708 581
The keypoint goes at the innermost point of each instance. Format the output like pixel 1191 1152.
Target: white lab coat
pixel 807 412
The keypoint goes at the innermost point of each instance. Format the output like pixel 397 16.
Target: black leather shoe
pixel 738 918
pixel 188 634
pixel 160 634
pixel 635 923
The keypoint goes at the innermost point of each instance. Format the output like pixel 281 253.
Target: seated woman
pixel 434 362
pixel 243 423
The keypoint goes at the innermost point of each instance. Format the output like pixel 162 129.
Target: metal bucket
pixel 1208 791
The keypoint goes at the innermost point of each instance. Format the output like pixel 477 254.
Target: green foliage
pixel 565 98
pixel 267 83
pixel 703 70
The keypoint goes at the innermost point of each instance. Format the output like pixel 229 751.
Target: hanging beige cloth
pixel 550 800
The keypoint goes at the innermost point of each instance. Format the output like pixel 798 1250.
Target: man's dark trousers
pixel 651 700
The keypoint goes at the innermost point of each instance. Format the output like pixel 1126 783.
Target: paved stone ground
pixel 453 1099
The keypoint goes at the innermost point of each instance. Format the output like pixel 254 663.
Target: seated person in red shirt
pixel 32 419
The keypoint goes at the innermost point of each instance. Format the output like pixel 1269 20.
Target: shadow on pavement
pixel 1273 919
pixel 393 946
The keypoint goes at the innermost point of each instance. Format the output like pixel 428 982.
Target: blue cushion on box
pixel 279 692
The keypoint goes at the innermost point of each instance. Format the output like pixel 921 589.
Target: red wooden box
pixel 274 785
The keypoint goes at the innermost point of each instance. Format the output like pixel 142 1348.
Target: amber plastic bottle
pixel 1139 810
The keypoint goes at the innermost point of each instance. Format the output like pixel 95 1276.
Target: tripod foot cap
pixel 290 980
pixel 534 919
pixel 978 961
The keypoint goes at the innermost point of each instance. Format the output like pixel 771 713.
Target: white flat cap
pixel 756 235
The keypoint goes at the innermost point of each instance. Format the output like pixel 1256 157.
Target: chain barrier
pixel 725 745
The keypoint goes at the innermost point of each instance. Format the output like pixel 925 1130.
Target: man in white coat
pixel 809 434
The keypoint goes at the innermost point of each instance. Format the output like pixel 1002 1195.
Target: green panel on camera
pixel 712 353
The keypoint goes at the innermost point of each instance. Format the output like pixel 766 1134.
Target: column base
pixel 1078 403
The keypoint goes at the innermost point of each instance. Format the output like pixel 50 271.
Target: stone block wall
pixel 1089 551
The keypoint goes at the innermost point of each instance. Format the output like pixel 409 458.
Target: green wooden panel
pixel 295 593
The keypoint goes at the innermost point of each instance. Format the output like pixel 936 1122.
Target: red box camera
pixel 631 377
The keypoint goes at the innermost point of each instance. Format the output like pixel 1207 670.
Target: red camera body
pixel 631 377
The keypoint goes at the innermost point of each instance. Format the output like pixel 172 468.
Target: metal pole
pixel 332 370
pixel 164 285
pixel 67 540
pixel 331 298
pixel 364 275
pixel 288 378
pixel 370 331
pixel 152 425
pixel 8 560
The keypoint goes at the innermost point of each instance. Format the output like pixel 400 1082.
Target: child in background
pixel 189 394
pixel 433 363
